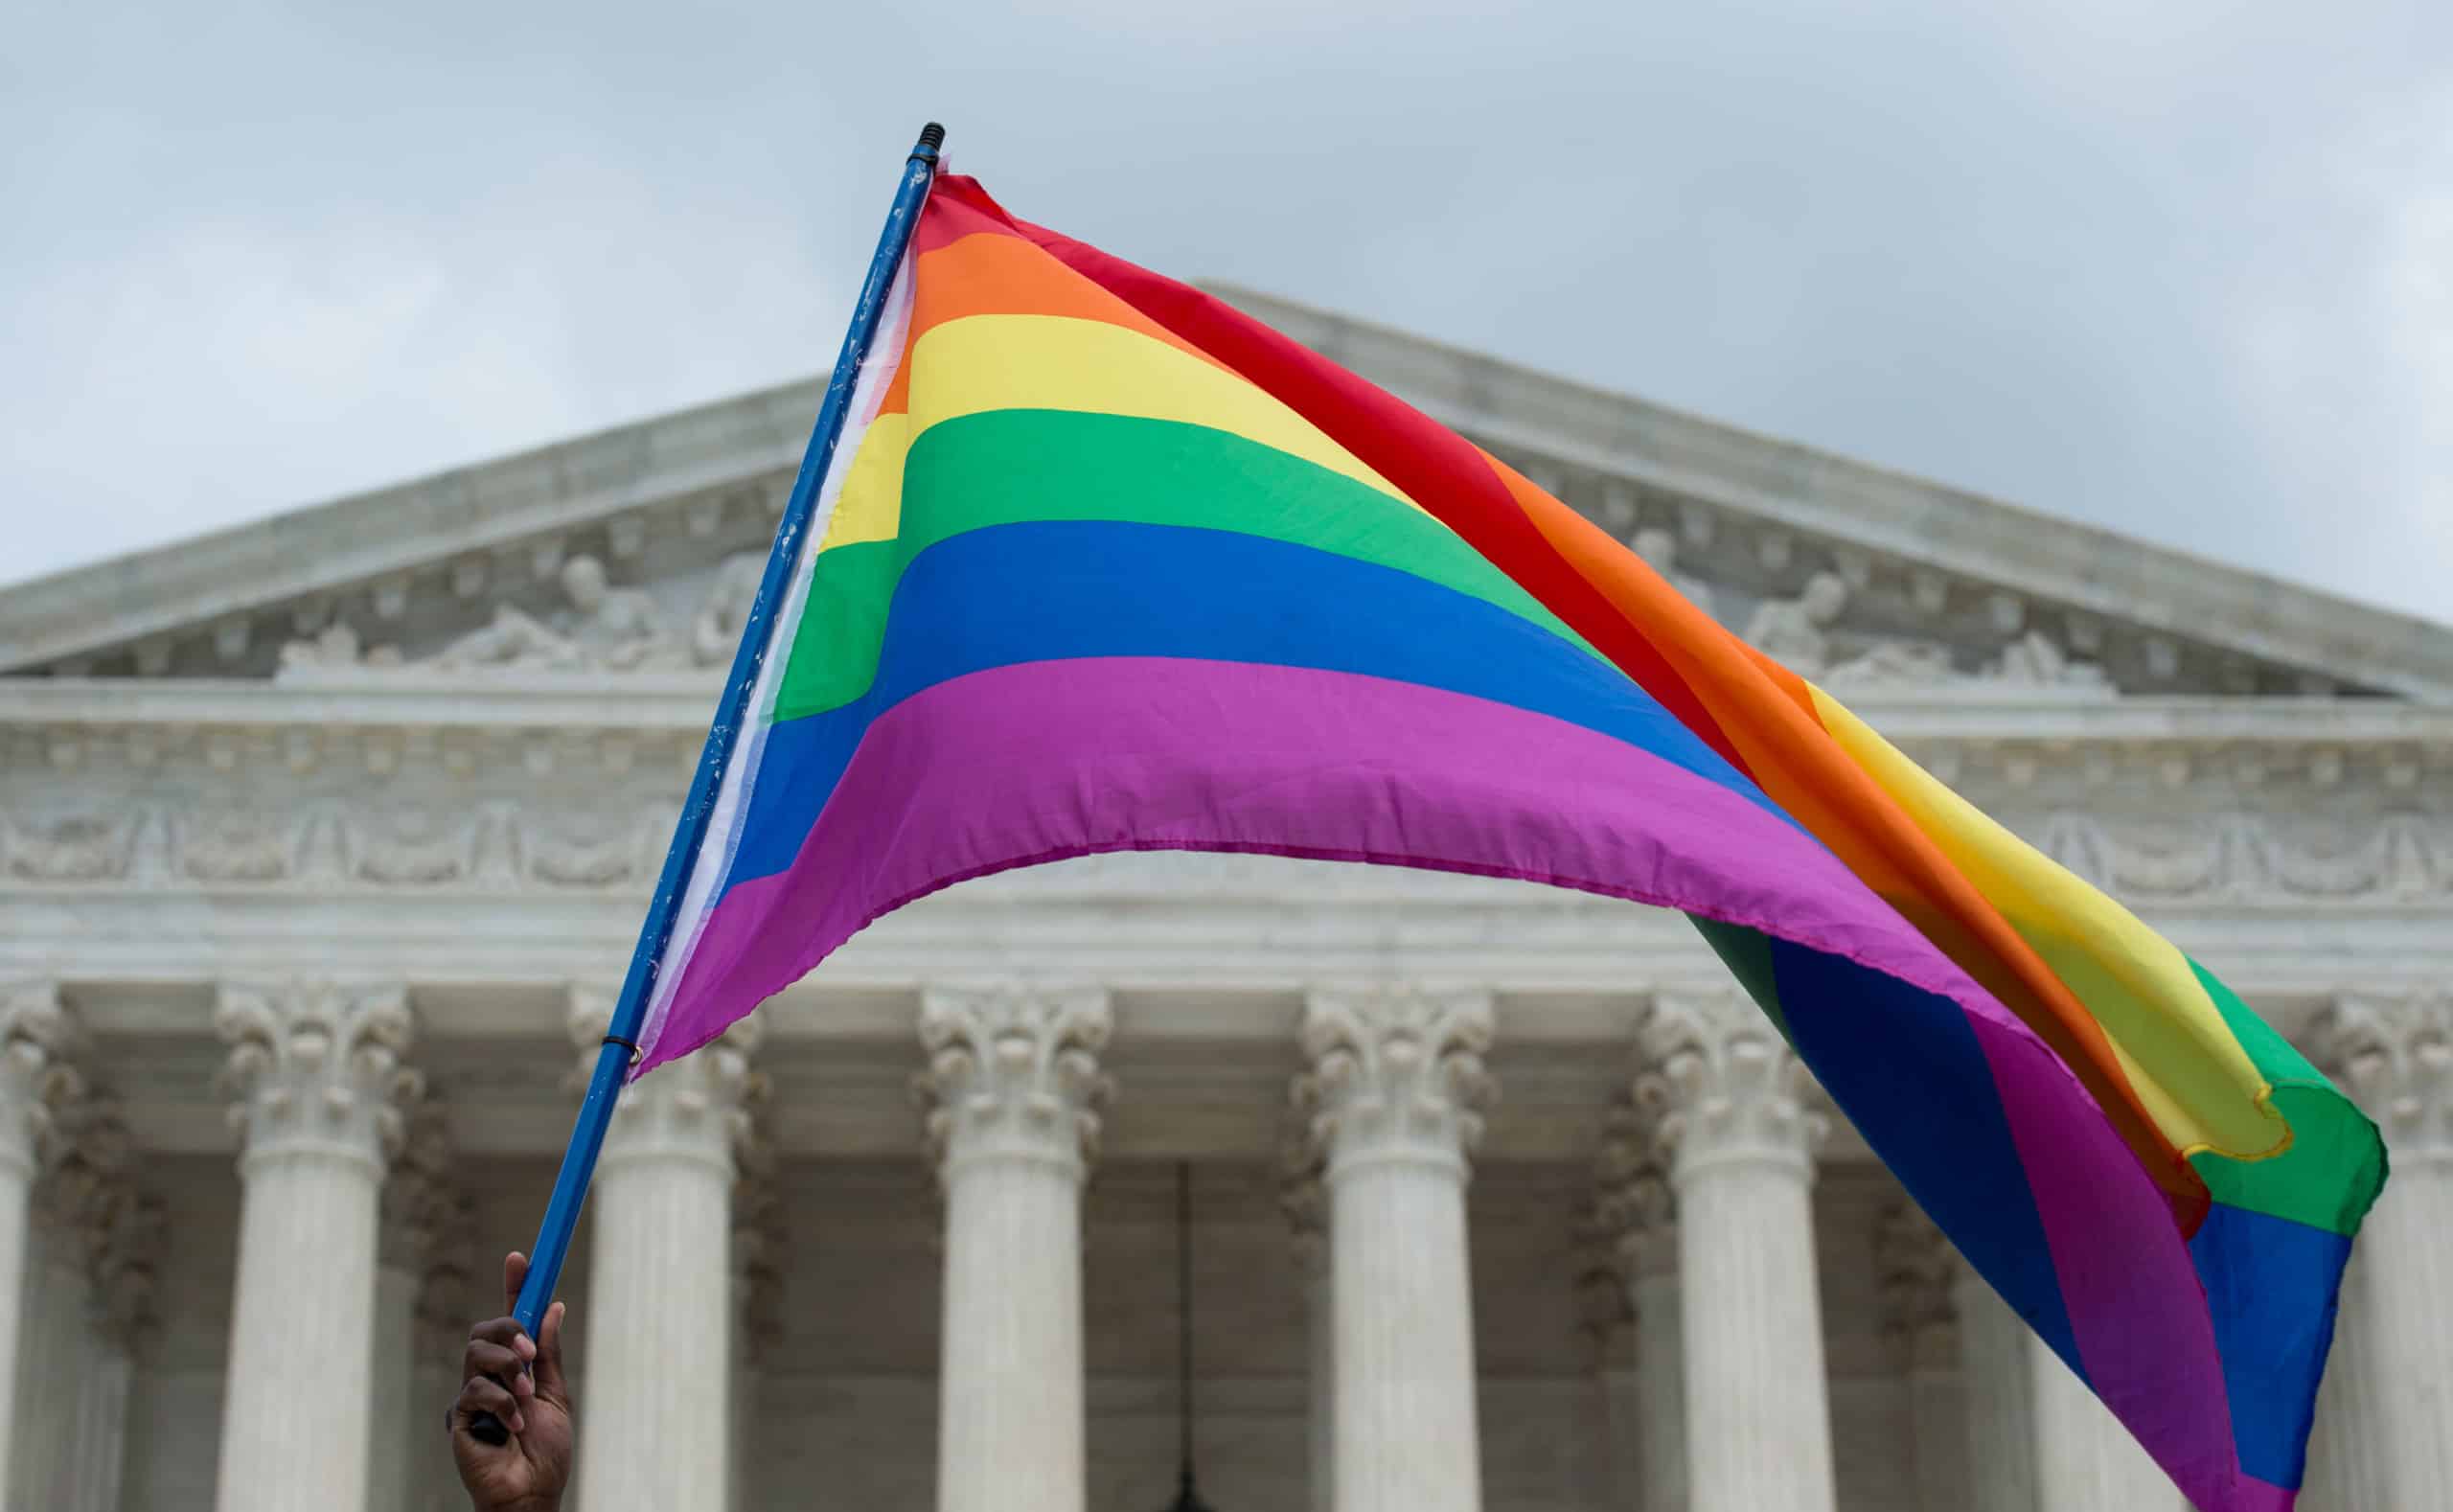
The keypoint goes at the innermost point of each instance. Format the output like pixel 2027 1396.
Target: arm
pixel 519 1381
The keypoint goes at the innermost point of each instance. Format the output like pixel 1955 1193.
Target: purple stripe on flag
pixel 1039 761
pixel 2137 1309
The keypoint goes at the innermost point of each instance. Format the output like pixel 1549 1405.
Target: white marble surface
pixel 54 1347
pixel 2394 1054
pixel 1014 1091
pixel 655 1392
pixel 1738 1121
pixel 1397 1090
pixel 400 1424
pixel 316 1067
pixel 1660 1388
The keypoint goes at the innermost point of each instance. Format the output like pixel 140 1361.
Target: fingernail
pixel 523 1347
pixel 519 1424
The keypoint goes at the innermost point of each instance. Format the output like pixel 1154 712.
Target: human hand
pixel 519 1381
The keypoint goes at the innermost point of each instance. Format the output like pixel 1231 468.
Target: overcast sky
pixel 2183 268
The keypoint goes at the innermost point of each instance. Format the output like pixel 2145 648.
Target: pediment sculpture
pixel 615 629
pixel 1800 635
pixel 604 628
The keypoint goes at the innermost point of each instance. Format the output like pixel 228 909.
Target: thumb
pixel 549 1354
pixel 515 1272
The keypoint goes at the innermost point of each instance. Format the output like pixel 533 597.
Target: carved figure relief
pixel 621 630
pixel 233 846
pixel 338 646
pixel 1799 632
pixel 1894 663
pixel 604 627
pixel 410 848
pixel 85 848
pixel 584 857
pixel 2034 660
pixel 716 630
pixel 1796 631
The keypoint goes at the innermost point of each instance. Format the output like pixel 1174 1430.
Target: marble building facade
pixel 323 843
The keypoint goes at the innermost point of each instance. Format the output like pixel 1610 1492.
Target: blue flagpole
pixel 620 1039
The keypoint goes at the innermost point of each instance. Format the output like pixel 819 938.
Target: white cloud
pixel 2347 368
pixel 2116 264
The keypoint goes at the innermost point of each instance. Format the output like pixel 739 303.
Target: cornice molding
pixel 679 703
pixel 607 841
pixel 1705 470
pixel 2010 593
pixel 450 530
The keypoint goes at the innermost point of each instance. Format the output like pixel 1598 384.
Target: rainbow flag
pixel 1102 564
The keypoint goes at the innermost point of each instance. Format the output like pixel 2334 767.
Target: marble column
pixel 1917 1266
pixel 1011 1102
pixel 1607 1471
pixel 758 1263
pixel 33 1079
pixel 317 1070
pixel 51 1355
pixel 2000 1422
pixel 1637 1201
pixel 97 1448
pixel 1740 1124
pixel 391 1402
pixel 125 1327
pixel 1396 1092
pixel 656 1382
pixel 2084 1458
pixel 1305 1204
pixel 2393 1053
pixel 72 1372
pixel 449 1295
pixel 416 1193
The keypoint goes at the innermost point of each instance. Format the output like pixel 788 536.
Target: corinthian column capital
pixel 1723 1088
pixel 1396 1074
pixel 317 1068
pixel 2394 1052
pixel 1012 1074
pixel 1300 1194
pixel 37 1079
pixel 702 1107
pixel 1632 1181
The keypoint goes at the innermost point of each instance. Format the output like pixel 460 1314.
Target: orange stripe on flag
pixel 1767 712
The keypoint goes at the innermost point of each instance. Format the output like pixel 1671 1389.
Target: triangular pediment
pixel 613 552
pixel 630 553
